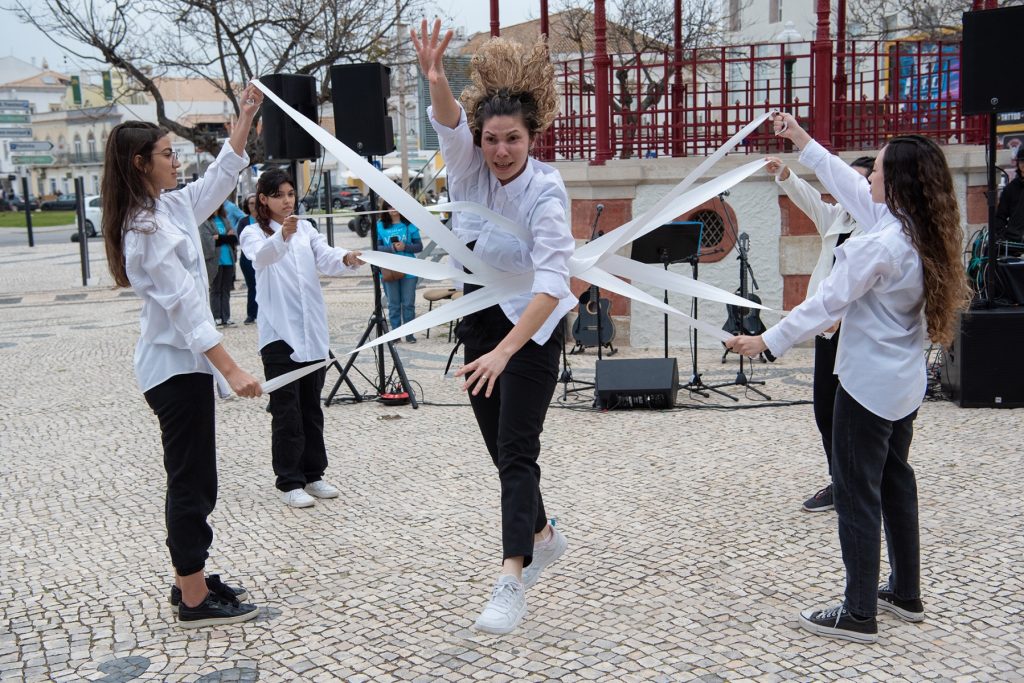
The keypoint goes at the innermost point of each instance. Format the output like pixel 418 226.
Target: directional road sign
pixel 14 104
pixel 32 160
pixel 15 132
pixel 31 146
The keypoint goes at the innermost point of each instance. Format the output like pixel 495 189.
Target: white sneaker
pixel 544 555
pixel 321 489
pixel 297 498
pixel 506 608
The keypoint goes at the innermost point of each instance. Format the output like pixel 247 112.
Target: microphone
pixel 723 193
pixel 600 208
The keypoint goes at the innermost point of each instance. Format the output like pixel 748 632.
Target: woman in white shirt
pixel 288 254
pixel 835 225
pixel 512 349
pixel 902 278
pixel 153 245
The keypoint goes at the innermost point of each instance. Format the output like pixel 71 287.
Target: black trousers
pixel 873 484
pixel 297 420
pixel 184 406
pixel 220 292
pixel 511 422
pixel 824 390
pixel 249 273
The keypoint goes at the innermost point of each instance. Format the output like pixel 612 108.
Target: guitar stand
pixel 727 352
pixel 580 348
pixel 566 378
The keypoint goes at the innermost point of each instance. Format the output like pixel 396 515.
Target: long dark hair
pixel 269 184
pixel 125 189
pixel 919 192
pixel 385 207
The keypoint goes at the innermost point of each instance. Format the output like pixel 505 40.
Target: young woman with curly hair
pixel 900 281
pixel 511 349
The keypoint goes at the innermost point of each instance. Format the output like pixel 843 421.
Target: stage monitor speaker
pixel 283 139
pixel 637 383
pixel 982 367
pixel 360 93
pixel 985 83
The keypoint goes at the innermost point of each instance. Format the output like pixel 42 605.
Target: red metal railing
pixel 887 88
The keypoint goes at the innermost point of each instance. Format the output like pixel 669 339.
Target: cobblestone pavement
pixel 689 556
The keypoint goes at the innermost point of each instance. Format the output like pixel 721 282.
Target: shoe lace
pixel 833 612
pixel 504 595
pixel 823 492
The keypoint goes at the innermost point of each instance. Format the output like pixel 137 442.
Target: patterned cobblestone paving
pixel 688 557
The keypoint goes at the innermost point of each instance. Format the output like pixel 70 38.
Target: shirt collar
pixel 517 186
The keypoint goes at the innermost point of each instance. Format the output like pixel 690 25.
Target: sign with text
pixel 32 160
pixel 14 104
pixel 31 146
pixel 15 132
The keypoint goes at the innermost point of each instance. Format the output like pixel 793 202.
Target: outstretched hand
pixel 746 345
pixel 430 49
pixel 250 101
pixel 786 127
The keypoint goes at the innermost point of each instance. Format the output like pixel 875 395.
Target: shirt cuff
pixel 776 341
pixel 551 283
pixel 203 338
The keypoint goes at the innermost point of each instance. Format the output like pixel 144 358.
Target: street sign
pixel 15 132
pixel 31 146
pixel 32 160
pixel 14 104
pixel 14 118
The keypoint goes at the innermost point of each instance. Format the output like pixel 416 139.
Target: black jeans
pixel 873 484
pixel 249 273
pixel 824 390
pixel 184 406
pixel 511 422
pixel 297 420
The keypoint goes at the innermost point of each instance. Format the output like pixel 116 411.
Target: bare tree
pixel 226 42
pixel 936 19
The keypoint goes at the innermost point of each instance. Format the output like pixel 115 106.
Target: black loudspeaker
pixel 637 383
pixel 985 84
pixel 360 93
pixel 283 139
pixel 982 368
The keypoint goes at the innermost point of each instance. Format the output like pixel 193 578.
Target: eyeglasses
pixel 167 153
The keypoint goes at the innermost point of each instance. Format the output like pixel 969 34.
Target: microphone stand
pixel 595 293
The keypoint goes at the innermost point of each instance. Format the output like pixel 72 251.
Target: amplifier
pixel 982 367
pixel 637 383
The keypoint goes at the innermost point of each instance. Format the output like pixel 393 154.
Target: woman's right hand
pixel 288 228
pixel 777 168
pixel 243 384
pixel 787 127
pixel 430 49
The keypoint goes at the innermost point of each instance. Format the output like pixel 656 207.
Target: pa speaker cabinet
pixel 637 383
pixel 283 139
pixel 986 84
pixel 360 93
pixel 982 368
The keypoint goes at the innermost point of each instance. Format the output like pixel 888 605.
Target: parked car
pixel 19 204
pixel 93 217
pixel 66 202
pixel 341 197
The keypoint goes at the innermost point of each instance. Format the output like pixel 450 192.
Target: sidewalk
pixel 688 560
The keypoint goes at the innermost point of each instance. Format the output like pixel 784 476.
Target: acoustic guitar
pixel 585 329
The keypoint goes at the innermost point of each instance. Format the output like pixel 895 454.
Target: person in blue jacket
pixel 396 235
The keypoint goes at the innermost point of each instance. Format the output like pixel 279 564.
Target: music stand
pixel 677 242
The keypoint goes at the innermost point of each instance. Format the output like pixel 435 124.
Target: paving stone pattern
pixel 688 560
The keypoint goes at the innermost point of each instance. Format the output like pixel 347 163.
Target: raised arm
pixel 430 51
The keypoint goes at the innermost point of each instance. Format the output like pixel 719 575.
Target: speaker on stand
pixel 986 89
pixel 360 94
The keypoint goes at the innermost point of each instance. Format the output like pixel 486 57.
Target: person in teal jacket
pixel 396 235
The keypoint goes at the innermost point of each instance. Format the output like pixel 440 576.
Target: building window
pixel 774 11
pixel 734 16
pixel 719 233
pixel 78 150
pixel 92 148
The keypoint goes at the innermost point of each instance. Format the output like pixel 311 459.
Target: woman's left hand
pixel 250 100
pixel 483 372
pixel 747 345
pixel 352 259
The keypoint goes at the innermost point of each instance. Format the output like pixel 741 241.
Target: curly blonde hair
pixel 510 79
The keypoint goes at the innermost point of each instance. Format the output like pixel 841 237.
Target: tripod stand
pixel 377 327
pixel 743 318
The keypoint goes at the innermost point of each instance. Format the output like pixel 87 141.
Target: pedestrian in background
pixel 396 235
pixel 251 307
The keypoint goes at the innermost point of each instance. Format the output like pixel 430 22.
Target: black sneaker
pixel 820 501
pixel 907 610
pixel 837 622
pixel 217 586
pixel 215 610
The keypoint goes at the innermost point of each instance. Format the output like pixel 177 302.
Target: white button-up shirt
pixel 877 288
pixel 536 200
pixel 165 265
pixel 288 286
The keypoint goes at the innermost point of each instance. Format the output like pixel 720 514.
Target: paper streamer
pixel 674 282
pixel 289 377
pixel 420 268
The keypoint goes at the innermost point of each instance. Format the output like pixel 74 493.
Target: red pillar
pixel 544 19
pixel 677 79
pixel 991 4
pixel 821 51
pixel 602 64
pixel 495 25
